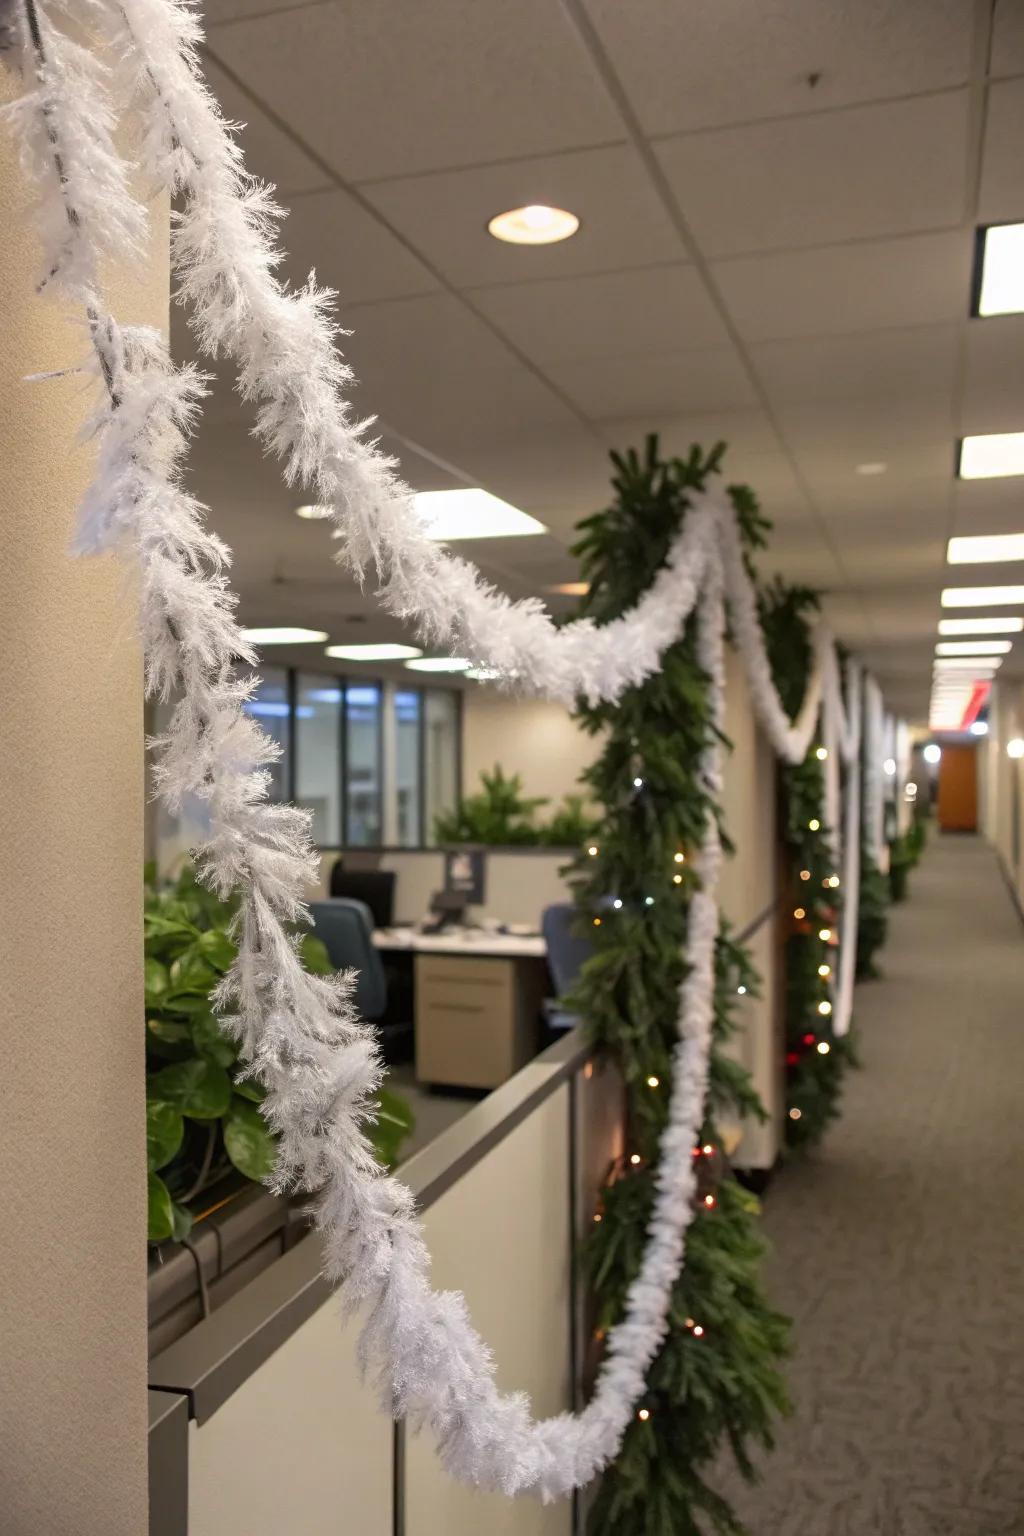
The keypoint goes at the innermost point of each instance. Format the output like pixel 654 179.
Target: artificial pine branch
pixel 715 1381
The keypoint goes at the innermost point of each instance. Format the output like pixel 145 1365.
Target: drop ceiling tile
pixel 835 290
pixel 994 378
pixel 558 477
pixel 622 222
pixel 888 169
pixel 695 66
pixel 654 383
pixel 870 430
pixel 391 89
pixel 1008 38
pixel 269 152
pixel 632 312
pixel 1001 194
pixel 747 435
pixel 869 364
pixel 351 250
pixel 989 506
pixel 918 476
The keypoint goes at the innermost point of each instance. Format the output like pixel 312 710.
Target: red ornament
pixel 809 1039
pixel 792 1057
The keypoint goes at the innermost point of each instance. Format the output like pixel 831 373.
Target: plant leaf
pixel 215 946
pixel 210 1041
pixel 161 1217
pixel 314 955
pixel 156 982
pixel 248 1141
pixel 164 1132
pixel 199 1089
pixel 392 1125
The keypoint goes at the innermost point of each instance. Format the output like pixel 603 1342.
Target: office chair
pixel 375 888
pixel 567 952
pixel 346 930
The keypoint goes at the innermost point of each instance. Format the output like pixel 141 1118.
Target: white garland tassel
pixel 299 1035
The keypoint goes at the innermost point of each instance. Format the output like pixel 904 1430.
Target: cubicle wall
pixel 521 882
pixel 284 1436
pixel 1001 784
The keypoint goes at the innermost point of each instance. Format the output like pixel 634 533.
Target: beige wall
pixel 72 1138
pixel 538 740
pixel 1001 781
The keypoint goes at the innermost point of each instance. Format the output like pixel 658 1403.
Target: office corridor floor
pixel 899 1245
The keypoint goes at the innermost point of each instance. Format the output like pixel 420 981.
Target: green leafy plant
pixel 498 814
pixel 816 1057
pixel 202 1121
pixel 715 1381
pixel 872 915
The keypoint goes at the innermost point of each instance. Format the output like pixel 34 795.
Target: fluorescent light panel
pixel 383 651
pixel 1001 289
pixel 439 664
pixel 973 647
pixel 283 634
pixel 991 455
pixel 472 514
pixel 981 597
pixel 966 663
pixel 986 548
pixel 980 626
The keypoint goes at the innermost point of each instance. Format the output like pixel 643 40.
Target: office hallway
pixel 898 1245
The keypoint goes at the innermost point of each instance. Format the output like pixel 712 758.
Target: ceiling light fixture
pixel 981 597
pixel 966 663
pixel 571 588
pixel 991 454
pixel 313 513
pixel 932 753
pixel 472 514
pixel 283 634
pixel 380 651
pixel 873 467
pixel 980 626
pixel 535 224
pixel 439 664
pixel 999 272
pixel 973 647
pixel 986 548
pixel 978 727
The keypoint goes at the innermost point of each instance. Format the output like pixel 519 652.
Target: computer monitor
pixel 465 875
pixel 375 887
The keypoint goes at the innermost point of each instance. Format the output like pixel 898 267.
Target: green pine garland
pixel 716 1380
pixel 816 1058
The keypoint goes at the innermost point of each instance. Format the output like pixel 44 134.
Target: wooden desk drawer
pixel 476 1019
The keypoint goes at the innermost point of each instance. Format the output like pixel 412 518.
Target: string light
pixel 677 879
pixel 644 1414
pixel 824 970
pixel 597 922
pixel 805 874
pixel 833 881
pixel 821 754
pixel 809 1039
pixel 741 991
pixel 798 913
pixel 710 1202
pixel 597 1215
pixel 814 824
pixel 707 1149
pixel 697 1331
pixel 794 1114
pixel 617 903
pixel 638 783
pixel 592 850
pixel 824 934
pixel 680 858
pixel 635 1159
pixel 823 1047
pixel 588 1070
pixel 825 1008
pixel 648 901
pixel 654 1082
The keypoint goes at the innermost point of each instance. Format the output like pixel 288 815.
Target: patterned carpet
pixel 899 1246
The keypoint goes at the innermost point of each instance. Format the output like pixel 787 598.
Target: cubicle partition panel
pixel 520 882
pixel 284 1435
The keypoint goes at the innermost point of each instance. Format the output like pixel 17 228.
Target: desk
pixel 478 999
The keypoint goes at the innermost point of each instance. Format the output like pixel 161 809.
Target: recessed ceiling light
pixel 536 224
pixel 439 664
pixel 571 588
pixel 973 647
pixel 472 514
pixel 313 513
pixel 1000 284
pixel 382 651
pixel 985 548
pixel 990 455
pixel 980 626
pixel 981 597
pixel 873 467
pixel 282 634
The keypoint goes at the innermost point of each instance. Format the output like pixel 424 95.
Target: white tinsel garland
pixel 300 1035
